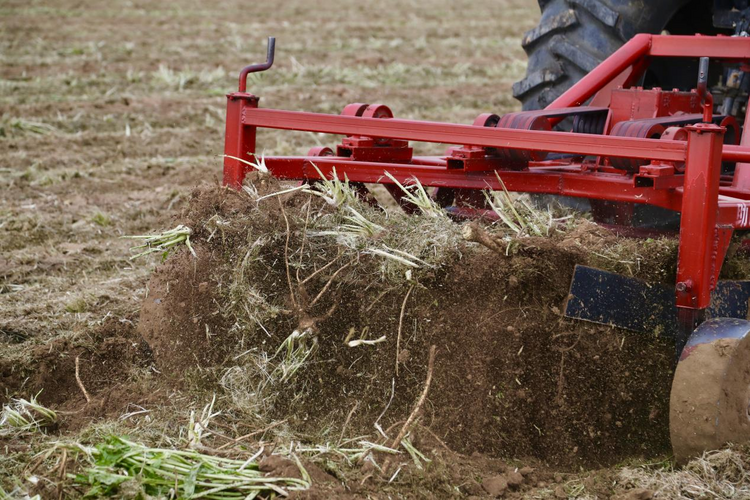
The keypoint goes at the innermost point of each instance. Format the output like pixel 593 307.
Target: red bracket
pixel 239 139
pixel 703 244
pixel 657 176
pixel 368 149
pixel 473 158
pixel 363 148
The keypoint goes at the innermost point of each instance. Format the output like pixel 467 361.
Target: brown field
pixel 111 114
pixel 111 124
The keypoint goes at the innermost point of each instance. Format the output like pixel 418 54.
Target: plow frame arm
pixel 712 207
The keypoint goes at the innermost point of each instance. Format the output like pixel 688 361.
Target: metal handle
pixel 707 100
pixel 257 68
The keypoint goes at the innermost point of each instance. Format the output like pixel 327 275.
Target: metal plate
pixel 613 299
pixel 710 395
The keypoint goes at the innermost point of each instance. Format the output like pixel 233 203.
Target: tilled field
pixel 112 125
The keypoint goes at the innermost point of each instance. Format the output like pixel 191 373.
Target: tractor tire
pixel 574 36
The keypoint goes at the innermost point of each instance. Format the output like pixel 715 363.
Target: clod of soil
pixel 495 486
pixel 512 377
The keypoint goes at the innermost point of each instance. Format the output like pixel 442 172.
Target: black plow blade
pixel 612 299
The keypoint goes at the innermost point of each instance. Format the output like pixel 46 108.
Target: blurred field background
pixel 110 112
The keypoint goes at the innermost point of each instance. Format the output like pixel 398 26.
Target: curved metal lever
pixel 256 68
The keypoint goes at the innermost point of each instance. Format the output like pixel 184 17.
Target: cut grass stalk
pixel 22 125
pixel 351 454
pixel 359 342
pixel 502 204
pixel 21 416
pixel 417 195
pixel 415 454
pixel 357 227
pixel 196 428
pixel 259 165
pixel 163 243
pixel 410 261
pixel 163 473
pixel 283 191
pixel 296 350
pixel 334 191
pixel 518 215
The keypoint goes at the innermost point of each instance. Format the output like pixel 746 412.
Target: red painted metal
pixel 680 172
pixel 239 139
pixel 628 55
pixel 741 178
pixel 699 245
pixel 722 48
pixel 433 171
pixel 451 133
pixel 638 103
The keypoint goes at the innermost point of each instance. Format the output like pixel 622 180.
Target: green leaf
pixel 189 486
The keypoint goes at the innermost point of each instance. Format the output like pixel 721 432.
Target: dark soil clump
pixel 107 359
pixel 513 378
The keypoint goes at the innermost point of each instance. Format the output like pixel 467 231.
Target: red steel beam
pixel 535 180
pixel 452 133
pixel 645 45
pixel 699 252
pixel 715 47
pixel 599 77
pixel 470 135
pixel 735 153
pixel 431 171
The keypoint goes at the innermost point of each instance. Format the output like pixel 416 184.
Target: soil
pixel 111 115
pixel 512 377
pixel 114 351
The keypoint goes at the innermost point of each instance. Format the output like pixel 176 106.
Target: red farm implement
pixel 627 146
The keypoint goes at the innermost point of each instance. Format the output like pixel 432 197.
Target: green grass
pixel 119 466
pixel 101 219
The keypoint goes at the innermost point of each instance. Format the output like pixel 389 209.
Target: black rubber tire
pixel 574 36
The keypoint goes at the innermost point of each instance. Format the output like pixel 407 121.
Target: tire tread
pixel 574 36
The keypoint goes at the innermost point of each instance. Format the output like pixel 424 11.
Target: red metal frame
pixel 711 206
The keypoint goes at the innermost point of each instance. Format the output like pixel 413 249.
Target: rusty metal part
pixel 710 400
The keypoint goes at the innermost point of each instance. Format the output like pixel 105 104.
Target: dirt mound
pixel 513 378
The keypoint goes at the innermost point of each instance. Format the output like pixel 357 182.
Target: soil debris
pixel 520 382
